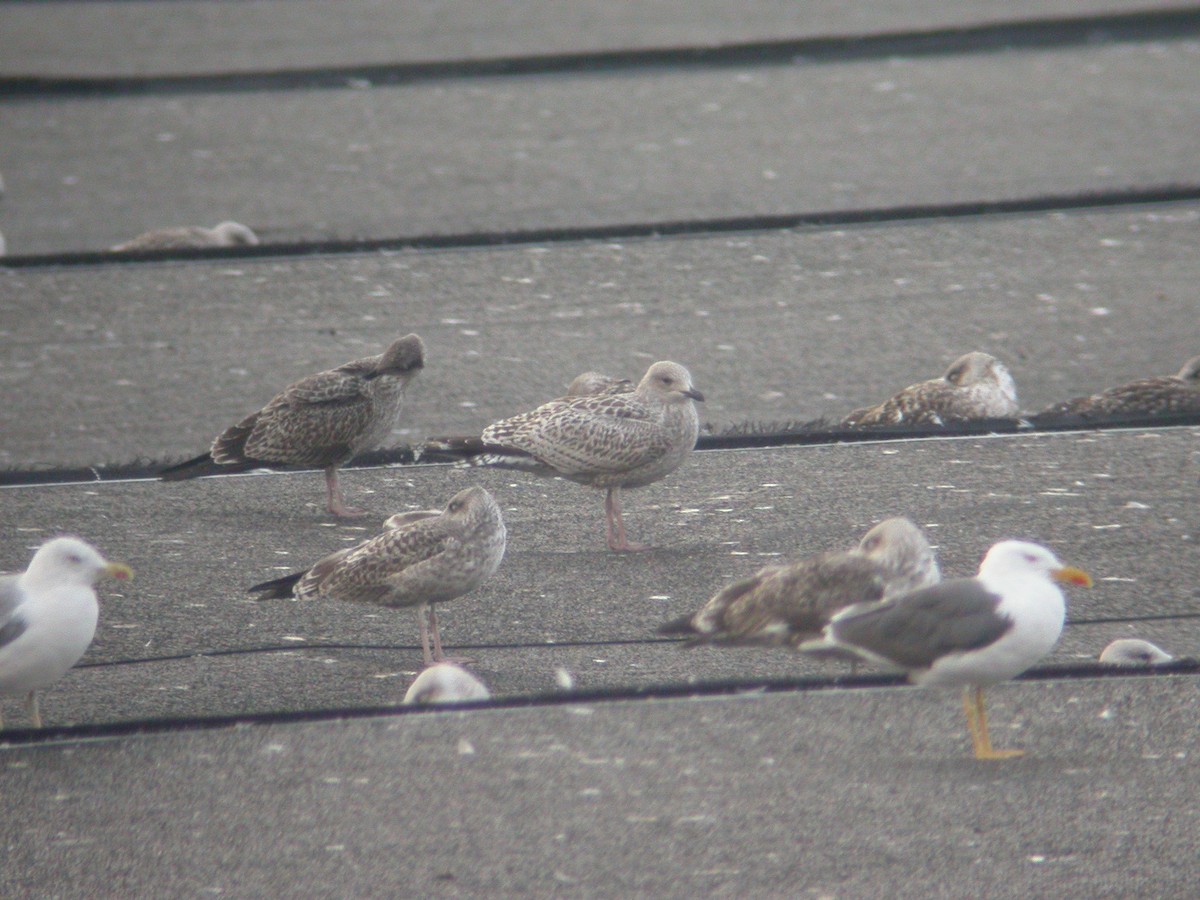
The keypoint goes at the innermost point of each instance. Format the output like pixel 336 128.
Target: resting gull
pixel 790 604
pixel 446 683
pixel 227 234
pixel 1160 395
pixel 975 386
pixel 608 440
pixel 427 560
pixel 1134 652
pixel 322 420
pixel 969 632
pixel 48 617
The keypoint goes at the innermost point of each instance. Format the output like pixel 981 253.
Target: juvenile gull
pixel 968 632
pixel 48 617
pixel 1134 652
pixel 227 234
pixel 1159 395
pixel 785 605
pixel 446 683
pixel 424 561
pixel 609 440
pixel 322 420
pixel 975 386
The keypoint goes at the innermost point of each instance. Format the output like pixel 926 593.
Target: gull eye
pixel 75 558
pixel 455 505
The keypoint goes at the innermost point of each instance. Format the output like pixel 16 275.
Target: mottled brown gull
pixel 427 560
pixel 975 386
pixel 322 420
pixel 227 234
pixel 968 632
pixel 445 683
pixel 1159 395
pixel 1134 652
pixel 48 617
pixel 608 441
pixel 785 605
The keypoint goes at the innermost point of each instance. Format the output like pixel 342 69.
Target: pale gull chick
pixel 1134 652
pixel 424 561
pixel 48 617
pixel 975 386
pixel 608 441
pixel 227 234
pixel 785 605
pixel 1159 395
pixel 967 632
pixel 322 420
pixel 446 683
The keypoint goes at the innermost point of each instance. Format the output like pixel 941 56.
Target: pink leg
pixel 438 655
pixel 334 501
pixel 616 525
pixel 422 618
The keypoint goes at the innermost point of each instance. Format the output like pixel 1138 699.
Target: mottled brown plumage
pixel 321 421
pixel 1159 395
pixel 975 386
pixel 594 384
pixel 784 605
pixel 610 440
pixel 227 234
pixel 423 561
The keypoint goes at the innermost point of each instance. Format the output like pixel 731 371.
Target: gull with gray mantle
pixel 48 617
pixel 420 559
pixel 323 421
pixel 785 605
pixel 975 386
pixel 965 632
pixel 608 440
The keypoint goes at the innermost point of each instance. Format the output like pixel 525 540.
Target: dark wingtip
pixel 276 588
pixel 679 627
pixel 190 468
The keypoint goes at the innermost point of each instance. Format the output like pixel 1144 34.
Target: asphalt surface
pixel 211 744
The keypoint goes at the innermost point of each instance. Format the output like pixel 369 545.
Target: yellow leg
pixel 977 722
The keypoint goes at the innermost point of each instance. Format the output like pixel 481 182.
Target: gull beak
pixel 1072 575
pixel 119 571
pixel 694 394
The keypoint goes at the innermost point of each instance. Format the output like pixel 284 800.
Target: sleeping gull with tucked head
pixel 1134 652
pixel 1158 395
pixel 785 605
pixel 48 617
pixel 445 683
pixel 975 386
pixel 227 234
pixel 322 420
pixel 423 560
pixel 610 440
pixel 965 632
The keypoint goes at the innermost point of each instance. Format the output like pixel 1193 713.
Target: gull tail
pixel 474 451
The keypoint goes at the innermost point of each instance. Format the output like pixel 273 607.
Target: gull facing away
pixel 594 384
pixel 1134 652
pixel 1159 395
pixel 608 440
pixel 975 386
pixel 786 605
pixel 425 560
pixel 227 234
pixel 445 683
pixel 968 632
pixel 48 617
pixel 322 420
